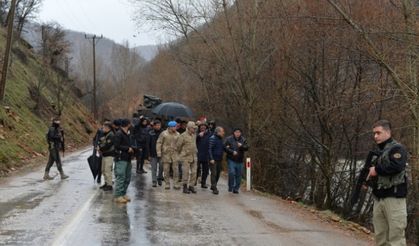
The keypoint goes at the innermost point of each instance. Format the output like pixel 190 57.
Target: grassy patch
pixel 22 128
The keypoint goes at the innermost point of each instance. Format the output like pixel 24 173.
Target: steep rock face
pixel 26 112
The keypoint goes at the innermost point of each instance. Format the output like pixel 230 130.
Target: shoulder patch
pixel 397 155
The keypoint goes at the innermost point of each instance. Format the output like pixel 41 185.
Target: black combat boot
pixel 47 177
pixel 192 189
pixel 108 188
pixel 185 189
pixel 215 191
pixel 63 176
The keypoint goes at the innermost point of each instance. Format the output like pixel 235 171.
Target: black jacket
pixel 202 144
pixel 140 135
pixel 153 135
pixel 215 148
pixel 99 134
pixel 231 145
pixel 55 137
pixel 106 144
pixel 397 165
pixel 122 144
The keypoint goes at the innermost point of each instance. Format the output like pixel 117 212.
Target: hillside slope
pixel 22 127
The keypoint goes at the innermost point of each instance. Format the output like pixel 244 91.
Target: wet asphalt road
pixel 76 212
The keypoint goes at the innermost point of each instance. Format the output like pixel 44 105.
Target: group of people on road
pixel 185 153
pixel 181 154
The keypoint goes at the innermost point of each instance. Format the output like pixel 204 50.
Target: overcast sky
pixel 112 18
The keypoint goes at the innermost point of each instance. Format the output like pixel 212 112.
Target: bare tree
pixel 126 64
pixel 26 10
pixel 405 78
pixel 298 79
pixel 54 52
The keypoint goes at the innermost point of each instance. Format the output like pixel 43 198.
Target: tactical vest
pixel 106 140
pixel 386 182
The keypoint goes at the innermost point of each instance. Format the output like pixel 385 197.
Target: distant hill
pixel 148 52
pixel 81 63
pixel 80 45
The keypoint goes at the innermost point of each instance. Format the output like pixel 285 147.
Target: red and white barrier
pixel 248 174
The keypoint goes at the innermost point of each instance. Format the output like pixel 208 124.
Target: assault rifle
pixel 363 178
pixel 62 141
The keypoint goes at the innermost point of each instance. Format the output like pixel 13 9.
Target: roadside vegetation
pixel 36 92
pixel 304 79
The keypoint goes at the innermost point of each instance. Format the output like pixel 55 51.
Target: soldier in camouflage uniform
pixel 186 146
pixel 167 152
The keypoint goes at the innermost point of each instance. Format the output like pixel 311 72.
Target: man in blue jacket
pixel 216 151
pixel 235 146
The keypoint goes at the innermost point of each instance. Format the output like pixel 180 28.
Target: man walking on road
pixel 167 152
pixel 390 190
pixel 202 142
pixel 186 146
pixel 156 164
pixel 123 166
pixel 216 151
pixel 235 146
pixel 107 150
pixel 140 134
pixel 55 138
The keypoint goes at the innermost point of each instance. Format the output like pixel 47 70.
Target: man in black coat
pixel 140 135
pixel 235 146
pixel 123 155
pixel 202 143
pixel 216 152
pixel 153 135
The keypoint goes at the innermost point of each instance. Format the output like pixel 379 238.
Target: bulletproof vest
pixel 105 140
pixel 386 182
pixel 53 137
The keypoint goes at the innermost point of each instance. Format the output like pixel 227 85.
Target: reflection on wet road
pixel 76 212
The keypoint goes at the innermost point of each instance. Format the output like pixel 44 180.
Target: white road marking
pixel 69 229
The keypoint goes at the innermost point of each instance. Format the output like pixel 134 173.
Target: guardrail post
pixel 248 174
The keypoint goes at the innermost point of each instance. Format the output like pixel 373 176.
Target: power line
pixel 94 39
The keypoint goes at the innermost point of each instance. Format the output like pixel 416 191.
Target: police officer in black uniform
pixel 55 138
pixel 390 187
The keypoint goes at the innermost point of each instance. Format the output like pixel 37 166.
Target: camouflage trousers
pixel 189 173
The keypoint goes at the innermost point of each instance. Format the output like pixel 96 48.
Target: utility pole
pixel 10 22
pixel 94 39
